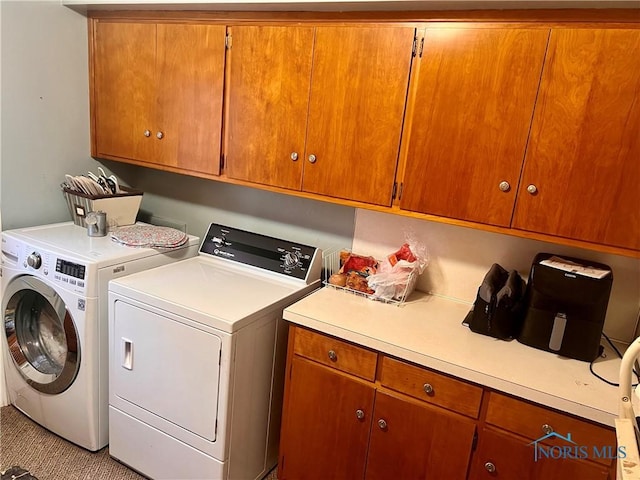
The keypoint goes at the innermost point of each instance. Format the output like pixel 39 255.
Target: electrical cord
pixel 635 370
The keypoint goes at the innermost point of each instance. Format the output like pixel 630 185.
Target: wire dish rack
pixel 401 291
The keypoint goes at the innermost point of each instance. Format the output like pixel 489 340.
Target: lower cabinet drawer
pixel 551 427
pixel 431 387
pixel 335 353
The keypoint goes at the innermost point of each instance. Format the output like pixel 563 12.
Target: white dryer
pixel 54 304
pixel 197 355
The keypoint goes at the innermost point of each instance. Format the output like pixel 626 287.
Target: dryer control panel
pixel 268 253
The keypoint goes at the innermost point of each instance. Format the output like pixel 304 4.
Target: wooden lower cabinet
pixel 508 457
pixel 323 436
pixel 414 441
pixel 340 422
pixel 338 426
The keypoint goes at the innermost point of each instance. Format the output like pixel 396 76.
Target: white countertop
pixel 428 330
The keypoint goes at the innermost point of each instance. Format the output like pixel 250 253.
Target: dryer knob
pixel 34 260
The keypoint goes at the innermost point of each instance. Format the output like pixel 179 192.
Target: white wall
pixel 44 126
pixel 460 257
pixel 45 109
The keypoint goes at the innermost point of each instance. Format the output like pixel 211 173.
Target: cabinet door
pixel 409 440
pixel 471 117
pixel 190 78
pixel 268 95
pixel 124 98
pixel 322 436
pixel 584 147
pixel 503 456
pixel 358 92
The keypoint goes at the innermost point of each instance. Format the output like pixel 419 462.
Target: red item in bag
pixel 404 253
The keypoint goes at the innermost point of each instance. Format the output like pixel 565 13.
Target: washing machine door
pixel 41 335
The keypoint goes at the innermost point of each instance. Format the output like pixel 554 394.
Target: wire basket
pixel 332 264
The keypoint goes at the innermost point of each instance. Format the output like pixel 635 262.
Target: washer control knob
pixel 34 260
pixel 291 259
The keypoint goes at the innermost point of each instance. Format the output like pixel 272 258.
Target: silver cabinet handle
pixel 359 414
pixel 547 429
pixel 294 156
pixel 159 135
pixel 333 356
pixel 504 186
pixel 532 189
pixel 312 158
pixel 428 388
pixel 382 424
pixel 490 467
pixel 147 133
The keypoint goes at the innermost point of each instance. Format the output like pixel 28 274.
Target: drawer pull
pixel 490 467
pixel 359 414
pixel 333 356
pixel 428 389
pixel 547 429
pixel 382 424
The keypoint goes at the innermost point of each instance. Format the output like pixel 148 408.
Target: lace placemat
pixel 150 236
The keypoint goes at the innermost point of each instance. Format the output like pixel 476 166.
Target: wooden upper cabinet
pixel 157 94
pixel 358 93
pixel 471 115
pixel 124 59
pixel 583 161
pixel 318 109
pixel 268 96
pixel 190 66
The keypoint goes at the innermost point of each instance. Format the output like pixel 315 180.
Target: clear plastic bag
pixel 398 273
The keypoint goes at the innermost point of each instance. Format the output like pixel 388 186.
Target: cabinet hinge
pixel 220 358
pixel 216 428
pixel 227 41
pixel 421 47
pixel 414 46
pixel 395 189
pixel 474 444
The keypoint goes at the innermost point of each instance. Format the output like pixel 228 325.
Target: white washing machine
pixel 55 285
pixel 197 357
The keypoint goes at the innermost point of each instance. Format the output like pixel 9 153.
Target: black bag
pixel 497 310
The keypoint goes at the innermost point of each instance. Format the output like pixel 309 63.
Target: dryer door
pixel 41 335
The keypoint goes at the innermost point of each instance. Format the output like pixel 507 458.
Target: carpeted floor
pixel 46 456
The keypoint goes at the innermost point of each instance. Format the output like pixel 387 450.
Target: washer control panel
pixel 268 253
pixel 44 264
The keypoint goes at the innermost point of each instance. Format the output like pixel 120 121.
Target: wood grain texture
pixel 471 120
pixel 358 91
pixel 268 92
pixel 513 458
pixel 448 392
pixel 419 441
pixel 584 152
pixel 124 89
pixel 164 78
pixel 527 420
pixel 190 80
pixel 321 436
pixel 350 358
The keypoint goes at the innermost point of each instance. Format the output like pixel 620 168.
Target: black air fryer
pixel 565 307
